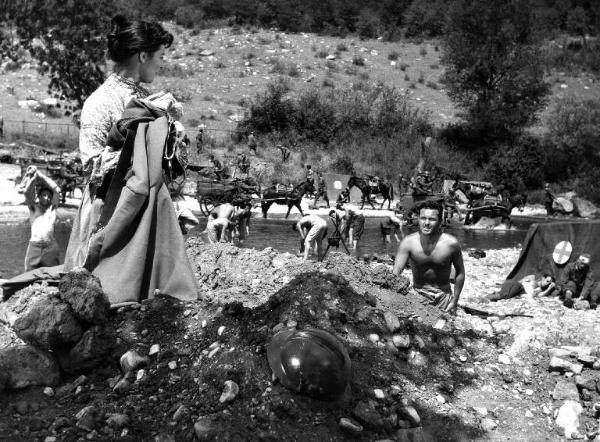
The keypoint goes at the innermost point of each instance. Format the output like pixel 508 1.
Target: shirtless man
pixel 218 229
pixel 42 197
pixel 312 229
pixel 432 253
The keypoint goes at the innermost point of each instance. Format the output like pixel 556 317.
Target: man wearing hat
pixel 577 281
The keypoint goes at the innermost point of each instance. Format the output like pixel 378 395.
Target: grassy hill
pixel 241 61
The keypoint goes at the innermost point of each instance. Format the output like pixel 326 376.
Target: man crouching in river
pixel 431 254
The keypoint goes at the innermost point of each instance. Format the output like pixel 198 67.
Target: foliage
pixel 493 66
pixel 67 38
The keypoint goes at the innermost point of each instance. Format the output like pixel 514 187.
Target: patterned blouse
pixel 101 110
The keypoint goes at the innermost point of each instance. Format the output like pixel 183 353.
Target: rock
pixel 568 417
pixel 87 418
pixel 123 386
pixel 585 208
pixel 96 344
pixel 172 365
pixel 528 414
pixel 419 342
pixel 181 411
pixel 24 366
pixel 132 360
pixel 587 380
pixel 154 349
pixel 43 320
pixel 374 338
pixel 207 53
pixel 83 292
pixel 577 350
pixel 117 420
pixel 204 428
pixel 391 321
pixel 366 412
pixel 487 424
pixel 596 365
pixel 417 359
pixel 581 304
pixel 558 353
pixel 378 393
pixel 230 391
pixel 49 391
pixel 565 390
pixel 562 365
pixel 482 411
pixel 586 360
pixel 504 359
pixel 350 426
pixel 401 341
pixel 411 415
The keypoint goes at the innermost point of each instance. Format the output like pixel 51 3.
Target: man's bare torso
pixel 431 264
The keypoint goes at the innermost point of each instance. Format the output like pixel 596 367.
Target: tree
pixel 494 69
pixel 67 39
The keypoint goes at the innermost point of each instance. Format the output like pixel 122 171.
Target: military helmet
pixel 311 362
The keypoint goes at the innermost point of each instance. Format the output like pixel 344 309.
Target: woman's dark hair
pixel 128 38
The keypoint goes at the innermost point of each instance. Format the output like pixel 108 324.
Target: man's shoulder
pixel 449 239
pixel 410 240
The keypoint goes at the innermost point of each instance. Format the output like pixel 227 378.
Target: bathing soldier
pixel 344 196
pixel 391 224
pixel 549 200
pixel 431 254
pixel 285 152
pixel 310 175
pixel 42 197
pixel 577 281
pixel 312 229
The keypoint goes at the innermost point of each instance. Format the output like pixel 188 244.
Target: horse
pixel 292 198
pixel 385 189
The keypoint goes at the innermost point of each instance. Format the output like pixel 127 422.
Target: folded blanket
pixel 435 296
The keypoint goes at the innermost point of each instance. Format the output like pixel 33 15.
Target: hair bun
pixel 118 22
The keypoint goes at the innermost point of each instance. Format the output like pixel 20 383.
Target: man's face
pixel 428 221
pixel 45 197
pixel 546 281
pixel 582 263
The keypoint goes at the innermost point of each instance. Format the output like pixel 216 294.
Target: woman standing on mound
pixel 137 49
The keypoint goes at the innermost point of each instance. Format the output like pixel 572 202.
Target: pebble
pixel 140 375
pixel 50 439
pixel 482 411
pixel 379 394
pixel 173 365
pixel 559 364
pixel 411 415
pixel 546 410
pixel 419 342
pixel 204 429
pixel 49 391
pixel 220 330
pixel 568 417
pixel 350 425
pixel 374 338
pixel 504 359
pixel 230 391
pixel 417 359
pixel 132 360
pixel 528 414
pixel 213 352
pixel 526 372
pixel 596 365
pixel 122 386
pixel 441 399
pixel 529 392
pixel 117 420
pixel 203 323
pixel 488 424
pixel 87 418
pixel 391 321
pixel 154 349
pixel 181 411
pixel 401 341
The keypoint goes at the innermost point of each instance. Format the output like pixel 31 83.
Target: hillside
pixel 213 87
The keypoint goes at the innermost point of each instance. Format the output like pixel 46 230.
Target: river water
pixel 273 232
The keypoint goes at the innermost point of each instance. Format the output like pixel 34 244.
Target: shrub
pixel 343 164
pixel 394 55
pixel 403 66
pixel 341 47
pixel 181 93
pixel 219 64
pixel 322 53
pixel 351 70
pixel 423 52
pixel 328 83
pixel 357 60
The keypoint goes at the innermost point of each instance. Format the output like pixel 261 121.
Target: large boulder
pixel 83 292
pixel 24 366
pixel 585 208
pixel 94 346
pixel 40 318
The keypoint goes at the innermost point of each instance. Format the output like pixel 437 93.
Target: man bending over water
pixel 431 254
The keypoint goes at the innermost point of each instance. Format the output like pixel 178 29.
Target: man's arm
pixel 28 186
pixel 402 257
pixel 459 278
pixel 51 184
pixel 587 285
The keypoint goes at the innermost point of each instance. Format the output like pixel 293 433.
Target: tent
pixel 542 239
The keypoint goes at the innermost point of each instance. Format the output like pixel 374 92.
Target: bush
pixel 321 53
pixel 423 52
pixel 328 83
pixel 357 60
pixel 181 93
pixel 342 164
pixel 403 66
pixel 189 16
pixel 394 55
pixel 421 78
pixel 341 47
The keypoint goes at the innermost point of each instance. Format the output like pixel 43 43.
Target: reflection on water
pixel 272 232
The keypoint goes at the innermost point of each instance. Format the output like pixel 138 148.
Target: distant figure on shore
pixel 252 142
pixel 431 254
pixel 391 225
pixel 549 200
pixel 216 166
pixel 41 196
pixel 310 175
pixel 242 165
pixel 285 152
pixel 200 138
pixel 241 219
pixel 312 229
pixel 344 196
pixel 321 190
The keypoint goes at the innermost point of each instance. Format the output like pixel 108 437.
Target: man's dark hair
pixel 548 275
pixel 432 205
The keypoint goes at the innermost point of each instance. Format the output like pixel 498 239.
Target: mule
pixel 385 189
pixel 291 198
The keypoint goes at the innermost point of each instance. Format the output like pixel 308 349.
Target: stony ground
pixel 417 375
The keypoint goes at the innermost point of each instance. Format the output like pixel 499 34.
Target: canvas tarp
pixel 541 240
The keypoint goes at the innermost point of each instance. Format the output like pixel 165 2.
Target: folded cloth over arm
pixel 141 248
pixel 435 296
